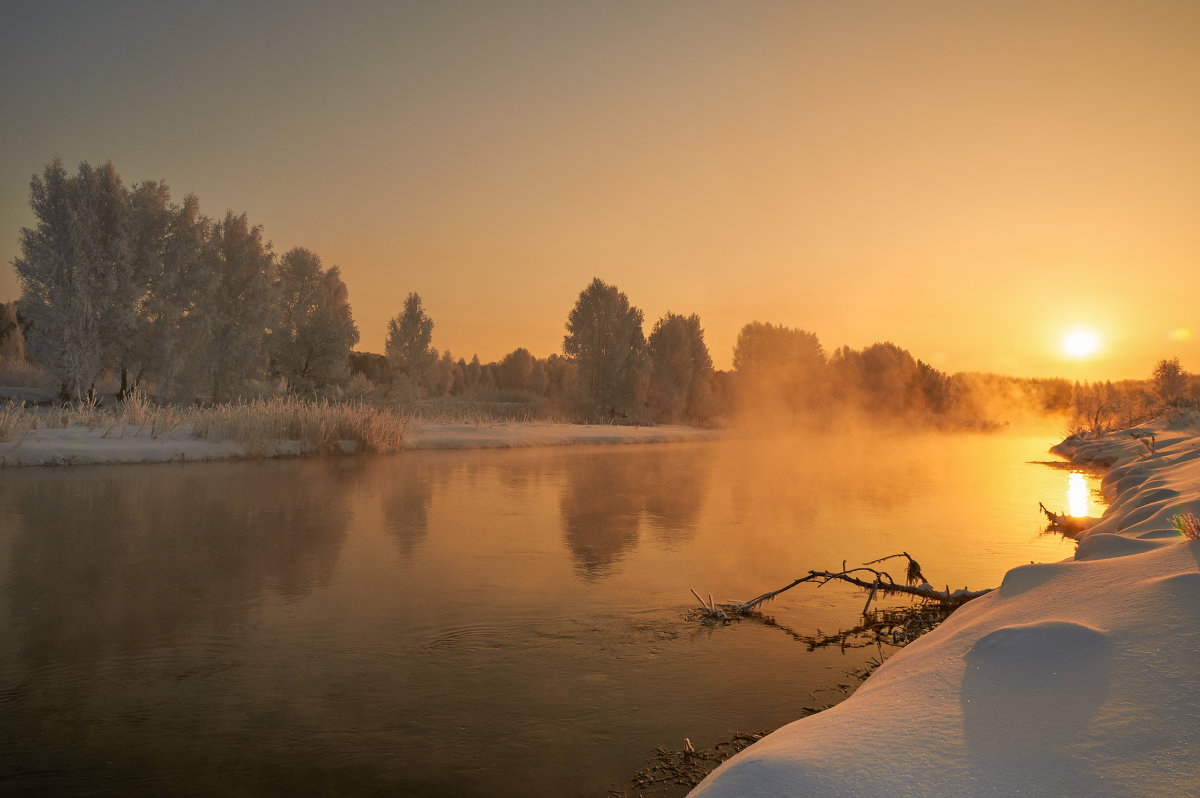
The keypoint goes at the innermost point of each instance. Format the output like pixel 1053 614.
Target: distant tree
pixel 372 366
pixel 314 328
pixel 440 376
pixel 885 379
pixel 409 335
pixel 238 307
pixel 605 341
pixel 459 386
pixel 538 381
pixel 1169 381
pixel 472 373
pixel 778 366
pixel 682 368
pixel 562 377
pixel 935 389
pixel 515 369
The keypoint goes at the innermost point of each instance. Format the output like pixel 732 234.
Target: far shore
pixel 82 444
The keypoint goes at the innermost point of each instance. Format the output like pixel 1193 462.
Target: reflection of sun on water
pixel 1077 495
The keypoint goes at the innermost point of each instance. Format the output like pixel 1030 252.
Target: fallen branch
pixel 915 585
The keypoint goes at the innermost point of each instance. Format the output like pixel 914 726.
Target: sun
pixel 1080 343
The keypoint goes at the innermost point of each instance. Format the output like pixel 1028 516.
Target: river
pixel 468 623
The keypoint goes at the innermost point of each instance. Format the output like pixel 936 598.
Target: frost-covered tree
pixel 682 368
pixel 175 329
pixel 73 271
pixel 1169 380
pixel 409 335
pixel 605 341
pixel 138 329
pixel 237 309
pixel 314 328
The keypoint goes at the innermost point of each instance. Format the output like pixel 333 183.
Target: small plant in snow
pixel 1188 525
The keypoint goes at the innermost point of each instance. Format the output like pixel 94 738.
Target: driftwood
pixel 1065 524
pixel 872 580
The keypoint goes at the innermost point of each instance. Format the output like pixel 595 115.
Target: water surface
pixel 495 623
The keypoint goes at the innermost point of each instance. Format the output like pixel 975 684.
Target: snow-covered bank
pixel 1080 677
pixel 83 445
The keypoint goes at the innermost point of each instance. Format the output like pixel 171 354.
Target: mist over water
pixel 459 623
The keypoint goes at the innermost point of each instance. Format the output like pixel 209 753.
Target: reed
pixel 318 425
pixel 15 421
pixel 260 424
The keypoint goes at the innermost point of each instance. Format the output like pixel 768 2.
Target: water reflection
pixel 113 561
pixel 605 498
pixel 407 496
pixel 1078 495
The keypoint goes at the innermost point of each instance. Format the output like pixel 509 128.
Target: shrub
pixel 1188 525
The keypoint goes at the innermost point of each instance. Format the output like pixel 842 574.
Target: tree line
pixel 120 278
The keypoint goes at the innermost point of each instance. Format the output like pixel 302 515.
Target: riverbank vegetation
pixel 128 294
pixel 259 424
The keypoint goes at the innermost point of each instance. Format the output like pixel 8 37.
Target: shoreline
pixel 132 444
pixel 1072 678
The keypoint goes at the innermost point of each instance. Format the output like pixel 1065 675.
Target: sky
pixel 972 181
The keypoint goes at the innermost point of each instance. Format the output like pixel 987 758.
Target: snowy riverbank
pixel 83 445
pixel 1080 677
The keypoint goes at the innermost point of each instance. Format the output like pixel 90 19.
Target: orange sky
pixel 968 180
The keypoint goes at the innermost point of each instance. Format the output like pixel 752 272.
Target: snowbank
pixel 1074 678
pixel 82 445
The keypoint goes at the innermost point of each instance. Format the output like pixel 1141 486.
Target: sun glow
pixel 1080 343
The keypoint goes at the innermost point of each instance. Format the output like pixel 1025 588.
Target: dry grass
pixel 259 425
pixel 318 426
pixel 20 373
pixel 15 421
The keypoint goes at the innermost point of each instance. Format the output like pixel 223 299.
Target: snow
pixel 1080 677
pixel 81 445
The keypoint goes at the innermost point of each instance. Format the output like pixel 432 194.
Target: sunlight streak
pixel 1078 496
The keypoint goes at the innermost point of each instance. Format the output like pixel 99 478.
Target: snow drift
pixel 1073 678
